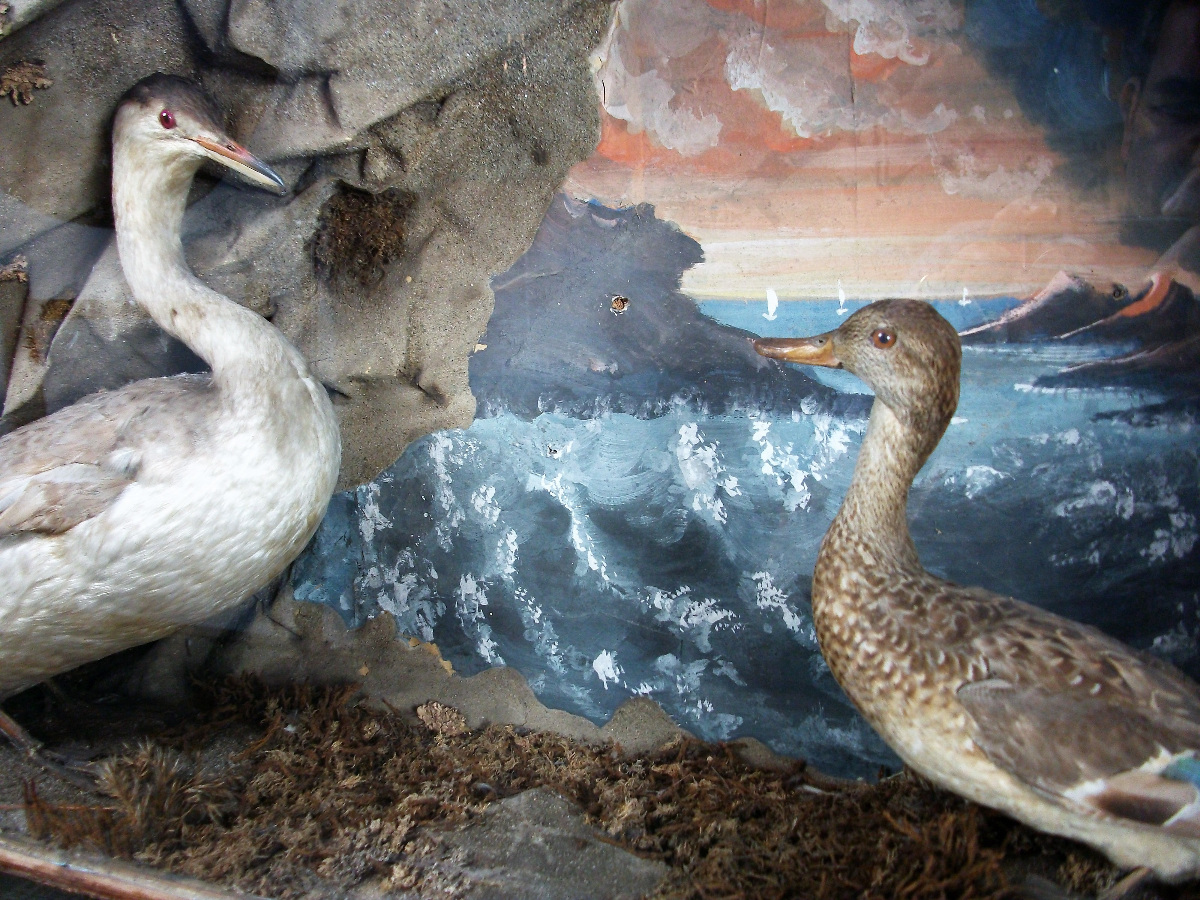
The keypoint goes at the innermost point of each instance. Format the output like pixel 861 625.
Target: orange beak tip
pixel 816 351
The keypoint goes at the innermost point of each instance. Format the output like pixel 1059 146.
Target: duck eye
pixel 166 118
pixel 882 338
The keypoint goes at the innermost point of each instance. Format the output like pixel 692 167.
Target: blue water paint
pixel 613 555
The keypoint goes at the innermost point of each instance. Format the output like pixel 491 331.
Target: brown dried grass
pixel 330 793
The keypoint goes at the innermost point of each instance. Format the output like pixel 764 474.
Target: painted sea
pixel 664 546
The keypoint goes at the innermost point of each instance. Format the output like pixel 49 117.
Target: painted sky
pixel 866 143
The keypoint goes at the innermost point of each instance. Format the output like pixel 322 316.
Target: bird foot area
pixel 299 791
pixel 21 740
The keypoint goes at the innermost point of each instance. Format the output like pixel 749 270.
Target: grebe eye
pixel 882 338
pixel 166 118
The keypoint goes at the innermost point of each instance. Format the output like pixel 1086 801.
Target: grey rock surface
pixel 471 113
pixel 208 18
pixel 107 341
pixel 537 846
pixel 12 304
pixel 55 150
pixel 19 222
pixel 60 263
pixel 370 61
pixel 61 259
pixel 640 726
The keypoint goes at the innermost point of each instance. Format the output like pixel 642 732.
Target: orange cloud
pixel 869 67
pixel 796 158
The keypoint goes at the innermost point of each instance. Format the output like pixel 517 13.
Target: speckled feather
pixel 137 511
pixel 1012 706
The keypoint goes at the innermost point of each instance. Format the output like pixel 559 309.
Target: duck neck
pixel 874 512
pixel 149 197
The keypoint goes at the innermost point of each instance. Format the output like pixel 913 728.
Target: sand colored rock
pixel 294 641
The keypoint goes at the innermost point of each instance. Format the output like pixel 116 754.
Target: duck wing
pixel 70 466
pixel 1075 714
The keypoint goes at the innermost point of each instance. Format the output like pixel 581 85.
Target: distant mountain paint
pixel 553 343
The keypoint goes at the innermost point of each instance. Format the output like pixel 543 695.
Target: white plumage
pixel 137 511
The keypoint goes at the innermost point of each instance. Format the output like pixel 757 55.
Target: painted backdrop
pixel 638 505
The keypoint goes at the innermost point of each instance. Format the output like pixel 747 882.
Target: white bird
pixel 137 511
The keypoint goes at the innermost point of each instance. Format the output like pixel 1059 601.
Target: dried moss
pixel 19 80
pixel 157 795
pixel 359 234
pixel 330 793
pixel 16 269
pixel 52 314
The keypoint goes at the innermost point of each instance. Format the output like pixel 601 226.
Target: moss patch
pixel 324 793
pixel 359 234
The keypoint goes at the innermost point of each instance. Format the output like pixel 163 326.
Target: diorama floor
pixel 307 792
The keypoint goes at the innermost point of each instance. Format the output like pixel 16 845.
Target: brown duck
pixel 1047 720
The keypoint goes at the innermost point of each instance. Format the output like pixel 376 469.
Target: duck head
pixel 903 349
pixel 169 124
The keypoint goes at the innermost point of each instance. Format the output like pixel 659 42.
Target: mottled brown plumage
pixel 1011 706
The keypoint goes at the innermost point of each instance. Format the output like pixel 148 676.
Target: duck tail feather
pixel 1164 793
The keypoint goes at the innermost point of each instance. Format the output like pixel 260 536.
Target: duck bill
pixel 236 157
pixel 812 351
